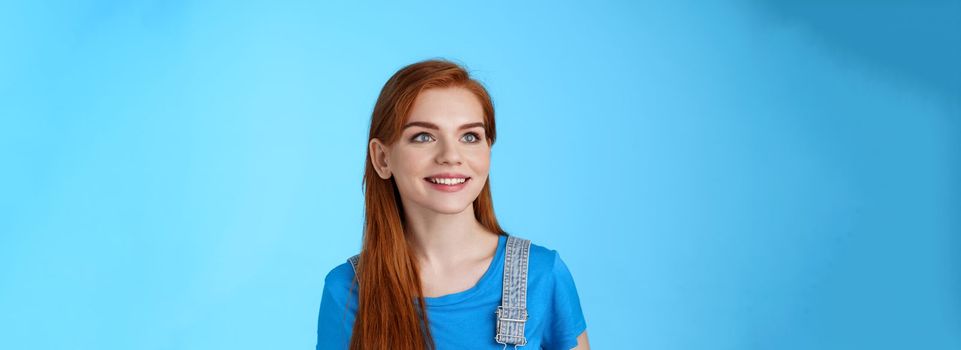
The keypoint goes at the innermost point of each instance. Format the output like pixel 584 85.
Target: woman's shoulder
pixel 542 253
pixel 544 259
pixel 340 277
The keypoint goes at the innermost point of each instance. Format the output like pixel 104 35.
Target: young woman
pixel 432 269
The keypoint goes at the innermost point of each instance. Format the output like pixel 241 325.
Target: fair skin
pixel 444 134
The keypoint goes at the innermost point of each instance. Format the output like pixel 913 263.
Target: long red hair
pixel 391 310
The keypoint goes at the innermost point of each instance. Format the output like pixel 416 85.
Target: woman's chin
pixel 449 207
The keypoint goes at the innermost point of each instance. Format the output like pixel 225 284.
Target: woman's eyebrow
pixel 430 125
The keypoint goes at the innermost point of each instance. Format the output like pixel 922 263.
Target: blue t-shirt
pixel 466 319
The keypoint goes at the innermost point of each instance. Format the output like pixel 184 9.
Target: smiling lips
pixel 448 182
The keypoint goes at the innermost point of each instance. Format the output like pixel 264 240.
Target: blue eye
pixel 475 136
pixel 417 137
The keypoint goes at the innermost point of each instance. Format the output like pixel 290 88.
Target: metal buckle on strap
pixel 523 312
pixel 517 341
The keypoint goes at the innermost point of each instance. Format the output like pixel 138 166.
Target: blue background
pixel 738 175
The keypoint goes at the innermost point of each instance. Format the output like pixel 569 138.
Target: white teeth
pixel 448 182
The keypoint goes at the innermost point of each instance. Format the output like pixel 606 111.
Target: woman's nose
pixel 449 153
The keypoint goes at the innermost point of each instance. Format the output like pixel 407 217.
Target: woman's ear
pixel 378 156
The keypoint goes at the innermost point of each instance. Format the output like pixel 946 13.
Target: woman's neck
pixel 440 240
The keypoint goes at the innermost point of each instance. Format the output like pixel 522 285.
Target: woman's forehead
pixel 448 108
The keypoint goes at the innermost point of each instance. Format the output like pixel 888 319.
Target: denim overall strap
pixel 512 314
pixel 353 262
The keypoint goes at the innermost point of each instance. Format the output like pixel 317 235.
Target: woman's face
pixel 443 141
